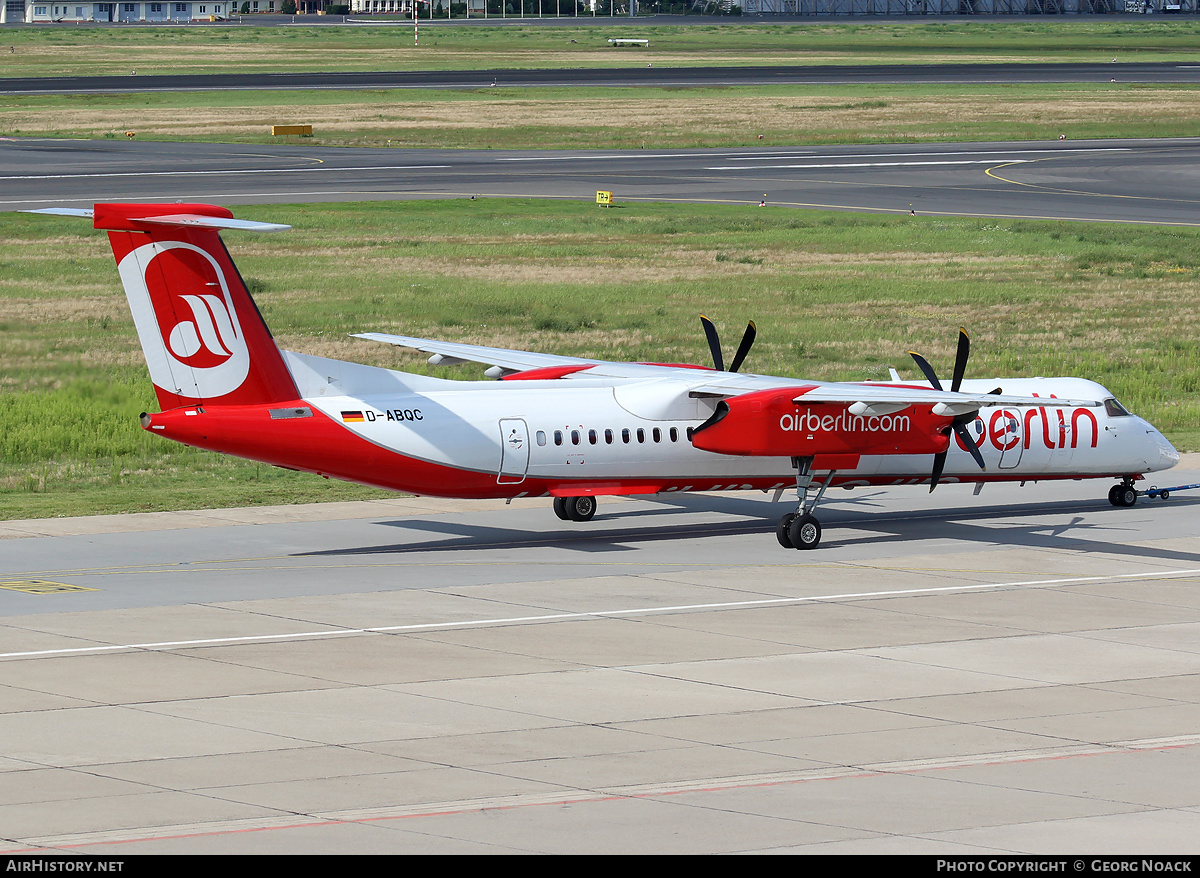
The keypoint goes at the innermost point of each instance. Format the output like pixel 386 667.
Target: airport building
pixel 47 11
pixel 962 7
pixel 34 11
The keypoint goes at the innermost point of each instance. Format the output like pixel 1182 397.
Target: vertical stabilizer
pixel 204 338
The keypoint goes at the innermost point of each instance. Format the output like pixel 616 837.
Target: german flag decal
pixel 353 417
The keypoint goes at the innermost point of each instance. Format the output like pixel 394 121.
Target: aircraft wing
pixel 449 353
pixel 504 361
pixel 888 395
pixel 711 384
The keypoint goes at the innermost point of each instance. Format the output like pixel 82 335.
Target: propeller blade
pixel 744 348
pixel 960 360
pixel 925 368
pixel 939 463
pixel 961 431
pixel 958 425
pixel 714 343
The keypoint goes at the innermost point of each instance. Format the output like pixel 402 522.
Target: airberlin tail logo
pixel 205 338
pixel 186 319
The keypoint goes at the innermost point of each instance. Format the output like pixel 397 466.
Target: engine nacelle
pixel 767 423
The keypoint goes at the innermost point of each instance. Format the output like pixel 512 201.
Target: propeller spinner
pixel 714 345
pixel 959 424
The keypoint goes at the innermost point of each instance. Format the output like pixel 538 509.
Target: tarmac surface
pixel 624 71
pixel 1130 181
pixel 1013 672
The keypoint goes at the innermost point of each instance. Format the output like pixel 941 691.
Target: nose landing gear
pixel 1124 494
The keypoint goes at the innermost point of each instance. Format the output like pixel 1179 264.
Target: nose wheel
pixel 1124 494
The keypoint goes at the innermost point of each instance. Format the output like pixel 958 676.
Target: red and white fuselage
pixel 513 439
pixel 566 426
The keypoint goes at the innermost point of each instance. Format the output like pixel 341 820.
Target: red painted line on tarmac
pixel 582 800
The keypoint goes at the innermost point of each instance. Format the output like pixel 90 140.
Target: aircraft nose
pixel 1168 452
pixel 1162 454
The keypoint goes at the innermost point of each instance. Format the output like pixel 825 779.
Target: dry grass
pixel 509 117
pixel 87 309
pixel 582 42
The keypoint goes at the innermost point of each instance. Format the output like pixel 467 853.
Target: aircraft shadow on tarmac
pixel 1081 525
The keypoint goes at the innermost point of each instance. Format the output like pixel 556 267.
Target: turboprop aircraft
pixel 573 428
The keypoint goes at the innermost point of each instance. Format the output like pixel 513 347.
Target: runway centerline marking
pixel 758 157
pixel 595 614
pixel 210 173
pixel 897 164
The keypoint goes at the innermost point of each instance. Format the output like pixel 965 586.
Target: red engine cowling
pixel 768 423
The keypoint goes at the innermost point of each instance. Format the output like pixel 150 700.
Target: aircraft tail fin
pixel 201 332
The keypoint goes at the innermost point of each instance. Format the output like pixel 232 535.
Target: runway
pixel 1132 181
pixel 624 73
pixel 1008 673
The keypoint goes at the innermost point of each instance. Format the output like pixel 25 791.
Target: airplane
pixel 572 428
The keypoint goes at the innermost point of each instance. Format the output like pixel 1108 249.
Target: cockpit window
pixel 1115 409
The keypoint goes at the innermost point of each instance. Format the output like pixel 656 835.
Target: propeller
pixel 959 424
pixel 714 345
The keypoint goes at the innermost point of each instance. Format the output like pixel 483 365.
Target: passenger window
pixel 641 435
pixel 592 437
pixel 541 437
pixel 558 437
pixel 608 437
pixel 574 437
pixel 625 436
pixel 674 434
pixel 657 433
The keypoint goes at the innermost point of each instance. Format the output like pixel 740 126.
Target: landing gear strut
pixel 575 508
pixel 800 529
pixel 1124 494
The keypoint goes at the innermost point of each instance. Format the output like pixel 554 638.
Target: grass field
pixel 590 118
pixel 835 296
pixel 66 50
pixel 511 118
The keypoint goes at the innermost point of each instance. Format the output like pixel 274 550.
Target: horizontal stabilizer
pixel 128 219
pixel 211 222
pixel 63 211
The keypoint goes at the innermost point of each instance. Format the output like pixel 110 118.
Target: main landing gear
pixel 800 529
pixel 1124 494
pixel 575 508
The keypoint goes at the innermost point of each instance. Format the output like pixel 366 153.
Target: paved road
pixel 1140 181
pixel 1003 674
pixel 626 72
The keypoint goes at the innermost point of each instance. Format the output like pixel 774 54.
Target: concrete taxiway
pixel 1017 671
